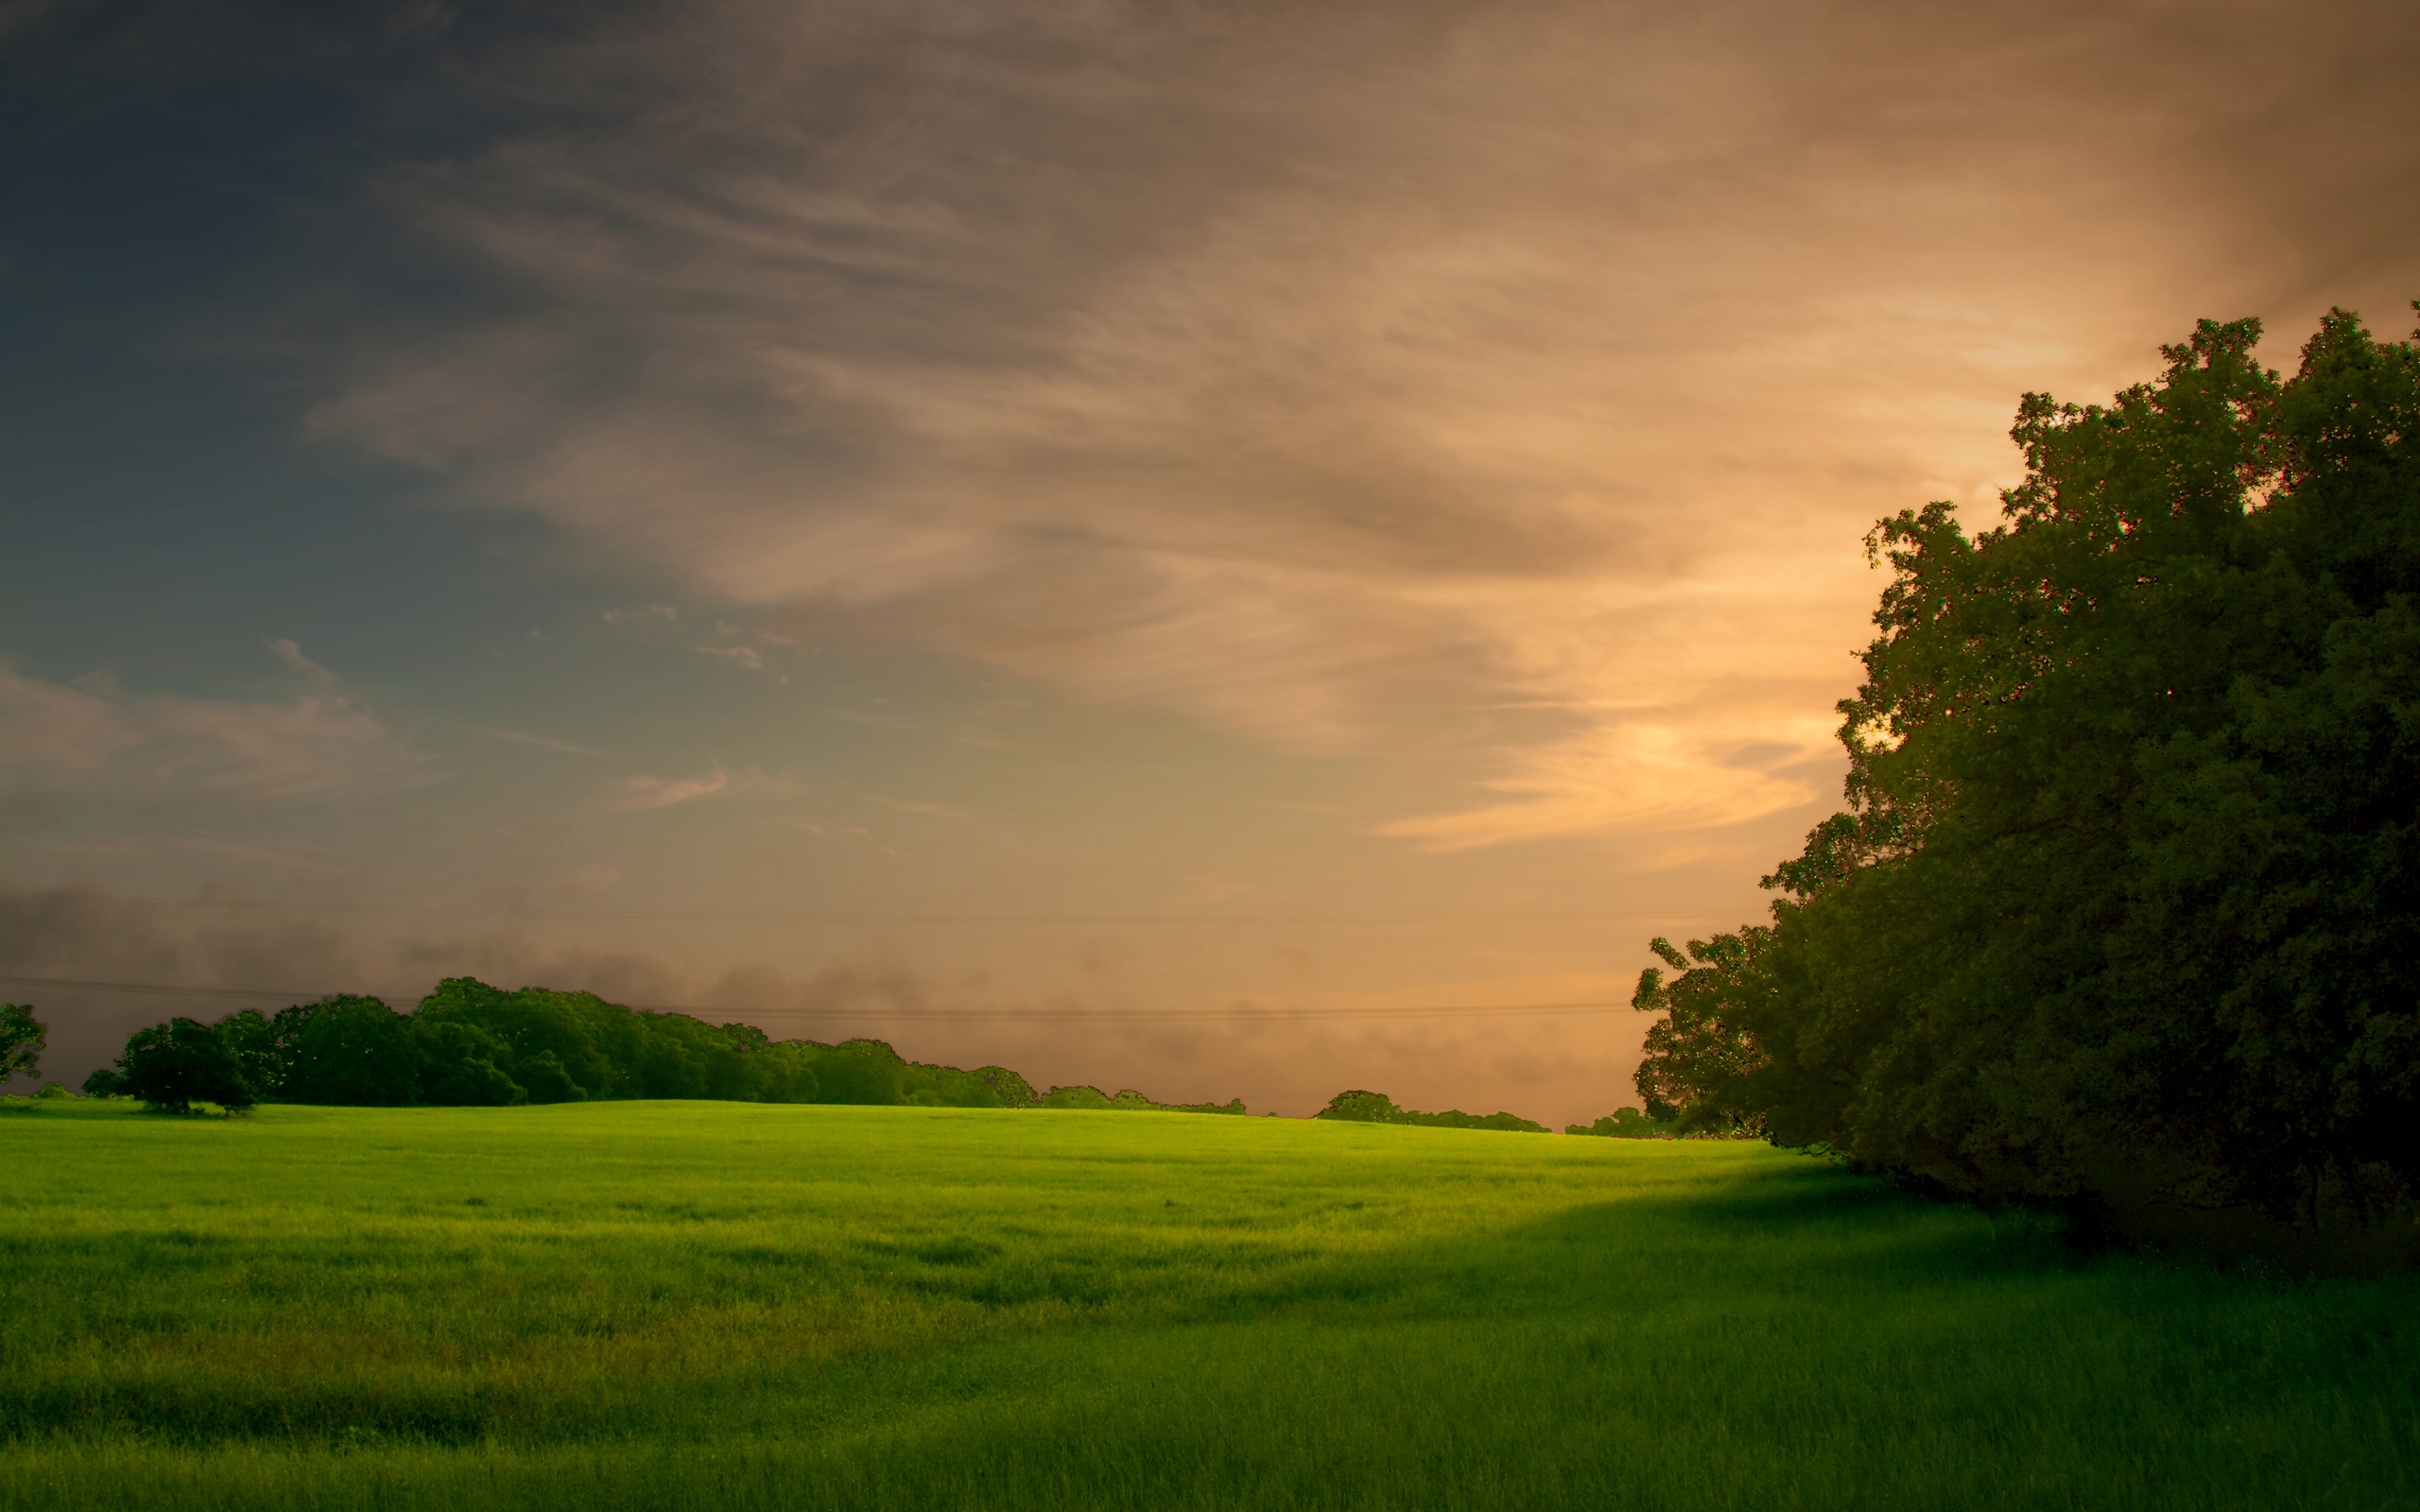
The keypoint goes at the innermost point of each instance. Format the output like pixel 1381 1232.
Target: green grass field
pixel 710 1305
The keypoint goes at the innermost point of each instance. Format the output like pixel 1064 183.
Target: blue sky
pixel 1108 498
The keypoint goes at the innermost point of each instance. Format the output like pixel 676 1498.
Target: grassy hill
pixel 732 1305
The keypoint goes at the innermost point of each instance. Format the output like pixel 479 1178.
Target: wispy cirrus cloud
pixel 517 737
pixel 639 794
pixel 321 680
pixel 318 745
pixel 1335 375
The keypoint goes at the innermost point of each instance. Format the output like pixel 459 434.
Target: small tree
pixel 20 1041
pixel 177 1064
pixel 1358 1107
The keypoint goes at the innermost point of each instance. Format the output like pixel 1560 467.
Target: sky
pixel 1226 549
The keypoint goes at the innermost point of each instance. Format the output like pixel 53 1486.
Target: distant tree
pixel 1127 1101
pixel 468 1045
pixel 1005 1085
pixel 251 1038
pixel 104 1082
pixel 20 1041
pixel 547 1079
pixel 565 1047
pixel 458 1066
pixel 1233 1107
pixel 1358 1107
pixel 183 1061
pixel 354 1051
pixel 864 1071
pixel 984 1087
pixel 1625 1123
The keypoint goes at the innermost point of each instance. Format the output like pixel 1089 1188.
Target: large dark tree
pixel 2126 898
pixel 183 1061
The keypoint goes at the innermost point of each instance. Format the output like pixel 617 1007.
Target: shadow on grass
pixel 1762 1240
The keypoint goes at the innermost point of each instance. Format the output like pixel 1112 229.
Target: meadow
pixel 734 1305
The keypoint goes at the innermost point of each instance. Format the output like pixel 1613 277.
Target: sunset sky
pixel 1138 542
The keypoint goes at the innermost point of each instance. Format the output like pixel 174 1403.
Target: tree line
pixel 473 1045
pixel 1633 1123
pixel 2123 909
pixel 1358 1107
pixel 468 1044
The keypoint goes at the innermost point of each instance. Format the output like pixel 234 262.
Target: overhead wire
pixel 713 916
pixel 1004 1014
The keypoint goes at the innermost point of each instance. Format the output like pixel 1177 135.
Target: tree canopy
pixel 20 1041
pixel 1358 1107
pixel 1625 1123
pixel 2125 901
pixel 468 1045
pixel 183 1061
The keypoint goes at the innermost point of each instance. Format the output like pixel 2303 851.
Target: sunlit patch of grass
pixel 736 1305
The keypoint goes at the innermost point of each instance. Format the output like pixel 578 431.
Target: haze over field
pixel 1116 541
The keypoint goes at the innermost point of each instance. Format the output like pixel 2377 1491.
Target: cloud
pixel 738 656
pixel 85 933
pixel 1635 780
pixel 318 745
pixel 1340 375
pixel 252 853
pixel 518 737
pixel 321 680
pixel 925 810
pixel 639 794
pixel 644 614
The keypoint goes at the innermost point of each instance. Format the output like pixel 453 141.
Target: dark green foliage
pixel 2125 905
pixel 1128 1100
pixel 1377 1108
pixel 260 1049
pixel 353 1051
pixel 1625 1124
pixel 20 1041
pixel 866 1073
pixel 473 1045
pixel 1233 1107
pixel 984 1087
pixel 174 1065
pixel 1087 1097
pixel 1698 1053
pixel 460 1066
pixel 105 1082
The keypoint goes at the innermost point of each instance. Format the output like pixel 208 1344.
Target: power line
pixel 1152 1016
pixel 161 988
pixel 708 916
pixel 1006 1015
